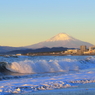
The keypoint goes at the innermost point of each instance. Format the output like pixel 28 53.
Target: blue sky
pixel 26 22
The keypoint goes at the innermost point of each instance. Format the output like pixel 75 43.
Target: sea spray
pixel 44 66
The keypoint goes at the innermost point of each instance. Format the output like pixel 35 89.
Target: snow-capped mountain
pixel 61 40
pixel 60 37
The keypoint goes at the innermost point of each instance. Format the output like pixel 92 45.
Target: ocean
pixel 28 74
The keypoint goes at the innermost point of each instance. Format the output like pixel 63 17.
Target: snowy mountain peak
pixel 61 40
pixel 60 37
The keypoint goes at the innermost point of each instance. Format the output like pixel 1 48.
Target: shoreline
pixel 39 54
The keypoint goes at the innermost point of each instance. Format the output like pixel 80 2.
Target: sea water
pixel 24 74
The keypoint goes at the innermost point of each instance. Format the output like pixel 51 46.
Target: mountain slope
pixel 7 48
pixel 61 40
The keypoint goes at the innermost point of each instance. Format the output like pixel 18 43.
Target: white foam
pixel 43 66
pixel 32 84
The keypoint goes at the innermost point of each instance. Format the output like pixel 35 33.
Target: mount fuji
pixel 60 40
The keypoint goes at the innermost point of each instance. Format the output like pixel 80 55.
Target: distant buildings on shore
pixel 82 51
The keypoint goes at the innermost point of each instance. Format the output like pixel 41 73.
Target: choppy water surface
pixel 33 73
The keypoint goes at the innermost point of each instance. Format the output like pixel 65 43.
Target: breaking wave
pixel 47 66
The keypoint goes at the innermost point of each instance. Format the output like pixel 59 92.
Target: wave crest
pixel 48 66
